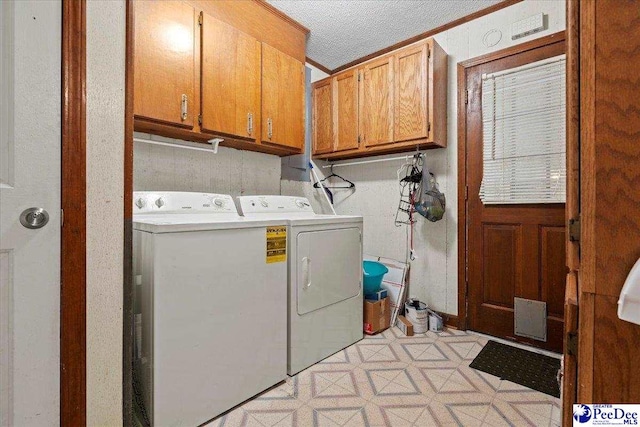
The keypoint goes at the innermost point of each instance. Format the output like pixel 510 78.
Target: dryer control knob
pixel 141 203
pixel 264 203
pixel 301 204
pixel 160 202
pixel 218 202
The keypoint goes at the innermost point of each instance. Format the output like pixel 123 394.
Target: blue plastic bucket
pixel 373 272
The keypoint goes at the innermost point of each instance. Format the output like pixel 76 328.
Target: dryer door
pixel 328 267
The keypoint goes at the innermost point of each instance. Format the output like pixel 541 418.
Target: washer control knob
pixel 141 203
pixel 264 203
pixel 218 202
pixel 160 202
pixel 301 203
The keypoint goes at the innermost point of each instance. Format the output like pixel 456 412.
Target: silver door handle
pixel 34 218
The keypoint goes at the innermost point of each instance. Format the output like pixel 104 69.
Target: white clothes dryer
pixel 325 277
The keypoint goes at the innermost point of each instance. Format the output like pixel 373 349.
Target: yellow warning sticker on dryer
pixel 276 244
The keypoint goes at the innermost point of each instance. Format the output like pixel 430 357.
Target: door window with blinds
pixel 523 120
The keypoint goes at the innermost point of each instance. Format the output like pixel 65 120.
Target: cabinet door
pixel 376 112
pixel 410 103
pixel 230 80
pixel 164 62
pixel 345 110
pixel 283 86
pixel 322 117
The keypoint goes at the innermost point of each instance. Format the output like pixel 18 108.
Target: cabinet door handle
pixel 269 128
pixel 183 107
pixel 249 123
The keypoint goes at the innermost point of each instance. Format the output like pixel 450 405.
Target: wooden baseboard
pixel 449 320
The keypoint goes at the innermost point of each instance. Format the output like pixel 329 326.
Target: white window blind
pixel 523 125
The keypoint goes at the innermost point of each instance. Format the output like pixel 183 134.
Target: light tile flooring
pixel 393 380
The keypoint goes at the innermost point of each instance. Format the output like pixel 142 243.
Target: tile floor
pixel 393 380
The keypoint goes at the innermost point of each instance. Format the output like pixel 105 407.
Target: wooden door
pixel 512 250
pixel 283 87
pixel 322 117
pixel 410 103
pixel 609 120
pixel 345 110
pixel 230 80
pixel 376 108
pixel 164 62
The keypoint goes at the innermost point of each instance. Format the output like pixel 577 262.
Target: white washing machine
pixel 325 277
pixel 210 306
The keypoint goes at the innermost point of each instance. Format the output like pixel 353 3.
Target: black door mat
pixel 529 369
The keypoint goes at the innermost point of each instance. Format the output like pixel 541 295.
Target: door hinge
pixel 428 127
pixel 428 53
pixel 200 19
pixel 574 229
pixel 61 217
pixel 466 192
pixel 200 119
pixel 359 76
pixel 359 139
pixel 466 97
pixel 572 343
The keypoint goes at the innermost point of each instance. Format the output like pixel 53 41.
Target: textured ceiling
pixel 345 30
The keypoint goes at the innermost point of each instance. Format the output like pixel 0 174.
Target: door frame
pixel 73 278
pixel 127 291
pixel 463 280
pixel 73 346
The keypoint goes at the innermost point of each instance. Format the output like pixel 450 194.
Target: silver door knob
pixel 34 218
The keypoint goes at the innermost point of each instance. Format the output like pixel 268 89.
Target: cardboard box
pixel 377 316
pixel 405 326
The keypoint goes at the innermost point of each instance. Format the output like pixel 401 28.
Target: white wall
pixel 105 172
pixel 316 73
pixel 231 171
pixel 434 274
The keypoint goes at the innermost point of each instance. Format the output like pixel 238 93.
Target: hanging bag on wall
pixel 431 202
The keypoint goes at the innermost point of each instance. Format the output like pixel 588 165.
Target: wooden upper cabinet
pixel 376 107
pixel 322 116
pixel 198 73
pixel 283 91
pixel 165 63
pixel 345 110
pixel 230 80
pixel 410 104
pixel 390 104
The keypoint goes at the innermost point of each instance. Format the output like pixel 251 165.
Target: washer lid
pixel 198 222
pixel 175 211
